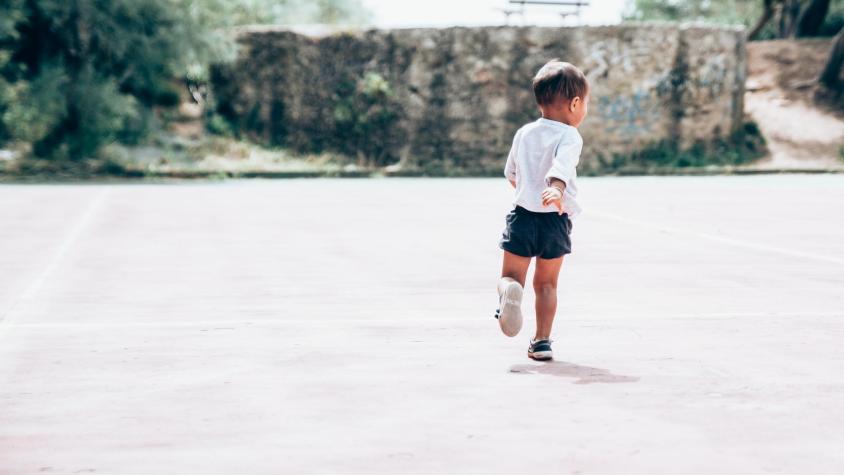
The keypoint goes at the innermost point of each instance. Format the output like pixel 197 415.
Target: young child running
pixel 541 167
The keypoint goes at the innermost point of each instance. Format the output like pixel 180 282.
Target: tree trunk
pixel 810 20
pixel 831 74
pixel 789 11
pixel 767 14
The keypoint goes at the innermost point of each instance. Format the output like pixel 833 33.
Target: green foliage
pixel 724 12
pixel 78 74
pixel 366 116
pixel 731 12
pixel 107 114
pixel 218 125
pixel 10 14
pixel 282 12
pixel 834 20
pixel 36 107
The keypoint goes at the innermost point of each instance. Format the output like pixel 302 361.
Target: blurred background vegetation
pixel 764 19
pixel 77 75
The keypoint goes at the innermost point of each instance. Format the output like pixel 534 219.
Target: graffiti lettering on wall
pixel 712 76
pixel 629 115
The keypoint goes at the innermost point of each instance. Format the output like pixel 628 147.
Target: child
pixel 541 167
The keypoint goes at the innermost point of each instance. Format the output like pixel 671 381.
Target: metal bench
pixel 523 4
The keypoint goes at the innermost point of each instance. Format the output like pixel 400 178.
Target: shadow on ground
pixel 584 374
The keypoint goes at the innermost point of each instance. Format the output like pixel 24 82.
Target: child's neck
pixel 556 117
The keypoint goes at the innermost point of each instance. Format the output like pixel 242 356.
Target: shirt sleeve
pixel 566 159
pixel 510 166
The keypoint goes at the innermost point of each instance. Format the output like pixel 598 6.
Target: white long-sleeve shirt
pixel 543 150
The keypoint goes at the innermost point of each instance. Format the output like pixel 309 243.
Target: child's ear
pixel 574 104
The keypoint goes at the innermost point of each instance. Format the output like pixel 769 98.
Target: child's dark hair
pixel 559 80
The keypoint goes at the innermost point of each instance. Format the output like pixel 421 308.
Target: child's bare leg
pixel 515 267
pixel 545 286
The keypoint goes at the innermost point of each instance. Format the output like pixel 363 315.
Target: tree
pixel 795 18
pixel 76 74
pixel 86 72
pixel 831 74
pixel 789 11
pixel 767 14
pixel 799 18
pixel 812 17
pixel 732 12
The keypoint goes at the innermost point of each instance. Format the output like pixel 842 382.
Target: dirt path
pixel 800 134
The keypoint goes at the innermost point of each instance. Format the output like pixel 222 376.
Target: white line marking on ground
pixel 721 239
pixel 7 320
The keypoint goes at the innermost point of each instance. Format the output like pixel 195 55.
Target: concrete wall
pixel 459 94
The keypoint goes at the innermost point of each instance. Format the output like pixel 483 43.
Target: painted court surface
pixel 345 326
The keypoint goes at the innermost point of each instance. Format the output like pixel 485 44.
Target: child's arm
pixel 554 194
pixel 562 170
pixel 510 166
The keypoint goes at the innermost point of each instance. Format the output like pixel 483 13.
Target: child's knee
pixel 545 287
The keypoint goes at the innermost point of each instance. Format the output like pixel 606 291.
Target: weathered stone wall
pixel 459 94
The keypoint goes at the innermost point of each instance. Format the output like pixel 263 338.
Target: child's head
pixel 562 92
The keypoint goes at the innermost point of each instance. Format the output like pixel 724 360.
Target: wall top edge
pixel 320 31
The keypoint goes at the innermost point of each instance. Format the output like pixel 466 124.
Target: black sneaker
pixel 540 350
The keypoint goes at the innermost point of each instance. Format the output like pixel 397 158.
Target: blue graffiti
pixel 629 115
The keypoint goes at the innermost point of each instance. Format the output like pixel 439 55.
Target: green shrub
pixel 743 146
pixel 219 125
pixel 366 117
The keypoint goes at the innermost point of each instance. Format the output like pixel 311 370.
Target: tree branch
pixel 767 14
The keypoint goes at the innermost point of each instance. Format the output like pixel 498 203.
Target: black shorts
pixel 530 234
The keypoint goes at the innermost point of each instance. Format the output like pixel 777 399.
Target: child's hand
pixel 553 195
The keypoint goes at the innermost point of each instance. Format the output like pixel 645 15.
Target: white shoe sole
pixel 510 318
pixel 541 355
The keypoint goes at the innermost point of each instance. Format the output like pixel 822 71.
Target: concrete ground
pixel 345 326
